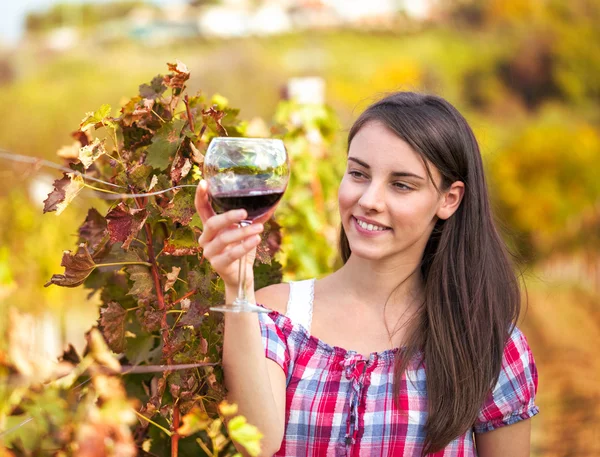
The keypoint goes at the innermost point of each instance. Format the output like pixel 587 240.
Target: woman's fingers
pixel 236 235
pixel 216 224
pixel 234 253
pixel 201 202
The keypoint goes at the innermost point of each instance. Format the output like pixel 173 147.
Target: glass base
pixel 240 308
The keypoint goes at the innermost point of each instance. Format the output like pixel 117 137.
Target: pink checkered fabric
pixel 339 403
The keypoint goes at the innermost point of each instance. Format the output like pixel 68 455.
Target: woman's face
pixel 388 204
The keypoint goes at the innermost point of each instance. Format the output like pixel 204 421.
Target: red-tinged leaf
pixel 181 209
pixel 271 242
pixel 78 266
pixel 57 196
pixel 65 190
pixel 93 230
pixel 150 318
pixel 143 286
pixel 216 116
pixel 181 242
pixel 83 137
pixel 172 277
pixel 165 144
pixel 88 154
pixel 124 223
pixel 153 90
pixel 180 168
pixel 112 325
pixel 194 317
pixel 180 75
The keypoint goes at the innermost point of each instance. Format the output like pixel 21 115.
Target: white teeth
pixel 370 227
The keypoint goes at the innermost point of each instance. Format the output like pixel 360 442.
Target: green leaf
pixel 181 209
pixel 165 144
pixel 245 434
pixel 181 242
pixel 139 348
pixel 112 323
pixel 143 286
pixel 99 116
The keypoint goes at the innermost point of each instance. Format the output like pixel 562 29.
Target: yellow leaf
pixel 245 434
pixel 193 422
pixel 228 409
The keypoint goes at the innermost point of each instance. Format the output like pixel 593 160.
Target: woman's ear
pixel 451 200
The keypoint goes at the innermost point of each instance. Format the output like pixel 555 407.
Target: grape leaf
pixel 177 79
pixel 180 168
pixel 270 243
pixel 139 348
pixel 65 190
pixel 214 115
pixel 83 137
pixel 98 117
pixel 193 422
pixel 181 209
pixel 143 286
pixel 78 266
pixel 138 175
pixel 172 277
pixel 181 242
pixel 88 154
pixel 112 325
pixel 153 90
pixel 93 231
pixel 70 152
pixel 245 434
pixel 164 144
pixel 124 223
pixel 150 318
pixel 194 315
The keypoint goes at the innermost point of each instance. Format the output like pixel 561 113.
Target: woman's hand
pixel 224 242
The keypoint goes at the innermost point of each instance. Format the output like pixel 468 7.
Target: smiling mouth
pixel 370 227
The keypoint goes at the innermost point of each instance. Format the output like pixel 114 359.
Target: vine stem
pixel 165 332
pixel 140 415
pixel 189 294
pixel 114 264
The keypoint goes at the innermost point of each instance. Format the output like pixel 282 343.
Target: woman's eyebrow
pixel 399 174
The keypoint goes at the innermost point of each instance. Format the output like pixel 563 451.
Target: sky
pixel 13 12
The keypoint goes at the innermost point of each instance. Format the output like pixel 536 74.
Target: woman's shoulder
pixel 274 297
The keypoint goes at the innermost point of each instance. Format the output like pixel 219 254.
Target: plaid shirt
pixel 339 403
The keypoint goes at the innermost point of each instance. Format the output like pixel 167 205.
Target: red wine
pixel 256 204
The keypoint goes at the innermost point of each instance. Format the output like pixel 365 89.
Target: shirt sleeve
pixel 274 342
pixel 513 397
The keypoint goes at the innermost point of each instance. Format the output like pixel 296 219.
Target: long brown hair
pixel 472 298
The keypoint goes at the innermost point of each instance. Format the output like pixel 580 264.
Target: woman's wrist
pixel 231 292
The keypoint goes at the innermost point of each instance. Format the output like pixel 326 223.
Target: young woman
pixel 409 349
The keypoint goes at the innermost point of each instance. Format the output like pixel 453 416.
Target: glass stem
pixel 241 297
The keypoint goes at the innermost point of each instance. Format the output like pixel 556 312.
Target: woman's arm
pixel 255 383
pixel 510 440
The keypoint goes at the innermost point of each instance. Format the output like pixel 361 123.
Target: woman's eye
pixel 401 186
pixel 356 174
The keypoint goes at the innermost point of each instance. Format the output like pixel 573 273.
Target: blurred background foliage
pixel 525 74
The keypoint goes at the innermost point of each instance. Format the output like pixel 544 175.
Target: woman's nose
pixel 372 198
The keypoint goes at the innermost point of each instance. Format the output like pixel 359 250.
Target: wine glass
pixel 248 173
